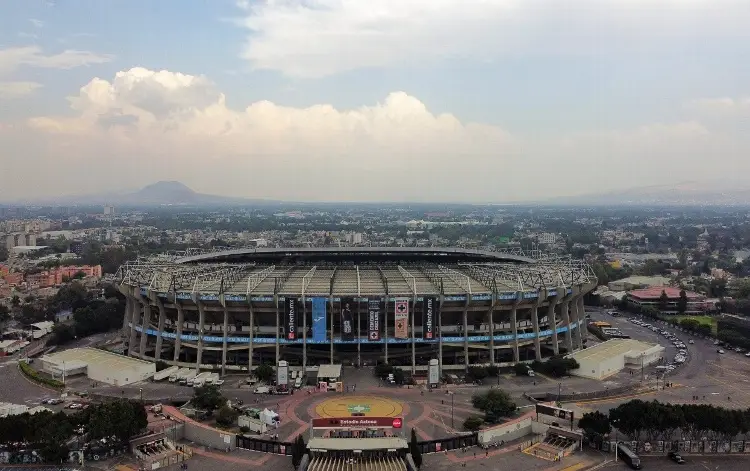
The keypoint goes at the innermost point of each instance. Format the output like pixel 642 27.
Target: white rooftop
pixel 329 371
pixel 612 348
pixel 86 356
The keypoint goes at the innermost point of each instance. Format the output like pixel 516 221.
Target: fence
pixel 695 447
pixel 264 446
pixel 447 444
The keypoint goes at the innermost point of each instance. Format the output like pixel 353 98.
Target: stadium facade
pixel 235 309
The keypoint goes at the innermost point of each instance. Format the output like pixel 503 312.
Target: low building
pixel 8 409
pixel 40 329
pixel 99 365
pixel 11 346
pixel 651 297
pixel 637 282
pixel 612 356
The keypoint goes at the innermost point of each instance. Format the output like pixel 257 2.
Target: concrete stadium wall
pixel 514 430
pixel 209 437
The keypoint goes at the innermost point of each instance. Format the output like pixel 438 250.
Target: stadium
pixel 236 308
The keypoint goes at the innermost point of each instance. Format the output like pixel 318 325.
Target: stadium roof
pixel 353 271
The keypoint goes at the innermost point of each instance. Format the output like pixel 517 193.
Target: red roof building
pixel 652 296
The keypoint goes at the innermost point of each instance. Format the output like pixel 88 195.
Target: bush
pixel 493 370
pixel 473 423
pixel 495 404
pixel 521 369
pixel 226 416
pixel 477 373
pixel 34 375
pixel 382 370
pixel 264 373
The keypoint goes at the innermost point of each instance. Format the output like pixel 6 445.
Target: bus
pixel 627 455
pixel 601 324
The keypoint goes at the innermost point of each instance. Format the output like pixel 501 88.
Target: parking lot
pixel 714 378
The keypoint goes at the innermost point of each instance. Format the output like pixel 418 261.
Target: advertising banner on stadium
pixel 347 319
pixel 319 319
pixel 401 318
pixel 373 317
pixel 429 311
pixel 290 317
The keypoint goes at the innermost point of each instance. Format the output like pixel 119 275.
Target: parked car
pixel 676 457
pixel 720 351
pixel 262 390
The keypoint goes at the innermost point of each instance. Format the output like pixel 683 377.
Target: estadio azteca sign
pixel 359 422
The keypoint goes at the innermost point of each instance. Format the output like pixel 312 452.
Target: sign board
pixel 558 412
pixel 282 373
pixel 401 318
pixel 359 422
pixel 434 372
pixel 290 318
pixel 429 311
pixel 319 319
pixel 373 312
pixel 347 319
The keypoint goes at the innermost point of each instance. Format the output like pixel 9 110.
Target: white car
pixel 691 341
pixel 262 390
pixel 720 351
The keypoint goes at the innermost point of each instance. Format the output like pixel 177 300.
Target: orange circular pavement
pixel 369 406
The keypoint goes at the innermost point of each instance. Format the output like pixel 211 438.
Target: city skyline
pixel 323 100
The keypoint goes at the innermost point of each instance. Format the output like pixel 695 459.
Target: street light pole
pixel 140 390
pixel 452 395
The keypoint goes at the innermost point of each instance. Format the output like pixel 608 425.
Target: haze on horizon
pixel 344 100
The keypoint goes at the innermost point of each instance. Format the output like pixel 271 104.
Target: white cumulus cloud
pixel 145 125
pixel 315 38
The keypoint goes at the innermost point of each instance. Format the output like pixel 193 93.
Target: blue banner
pixel 319 319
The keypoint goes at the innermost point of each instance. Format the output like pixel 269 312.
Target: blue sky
pixel 474 90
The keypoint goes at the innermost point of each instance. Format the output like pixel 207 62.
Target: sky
pixel 372 100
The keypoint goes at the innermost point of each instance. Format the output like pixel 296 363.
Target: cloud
pixel 719 106
pixel 170 123
pixel 36 23
pixel 17 89
pixel 33 56
pixel 316 38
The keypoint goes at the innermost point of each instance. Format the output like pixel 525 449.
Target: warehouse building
pixel 612 356
pixel 99 365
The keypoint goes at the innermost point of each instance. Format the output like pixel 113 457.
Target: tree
pixel 121 418
pixel 416 452
pixel 15 300
pixel 264 372
pixel 493 371
pixel 473 423
pixel 298 451
pixel 208 398
pixel 4 313
pixel 682 302
pixel 382 370
pixel 226 416
pixel 595 423
pixel 398 376
pixel 495 404
pixel 477 373
pixel 61 334
pixel 663 301
pixel 521 369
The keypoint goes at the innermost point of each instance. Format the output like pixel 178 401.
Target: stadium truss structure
pixel 235 308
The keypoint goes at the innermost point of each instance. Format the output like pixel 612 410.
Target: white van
pixel 262 390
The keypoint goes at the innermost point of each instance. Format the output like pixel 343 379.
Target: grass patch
pixel 705 320
pixel 34 376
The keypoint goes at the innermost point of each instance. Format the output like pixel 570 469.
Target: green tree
pixel 382 370
pixel 493 371
pixel 663 301
pixel 477 373
pixel 473 423
pixel 264 372
pixel 4 313
pixel 208 398
pixel 682 303
pixel 595 423
pixel 120 418
pixel 495 404
pixel 416 452
pixel 521 369
pixel 226 416
pixel 398 376
pixel 299 448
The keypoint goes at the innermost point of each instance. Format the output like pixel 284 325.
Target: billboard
pixel 564 414
pixel 359 422
pixel 290 318
pixel 282 374
pixel 373 319
pixel 319 319
pixel 429 311
pixel 401 318
pixel 347 319
pixel 434 372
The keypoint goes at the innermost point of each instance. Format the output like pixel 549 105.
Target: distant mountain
pixel 680 194
pixel 161 193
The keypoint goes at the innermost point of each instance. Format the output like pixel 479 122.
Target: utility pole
pixel 642 366
pixel 452 395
